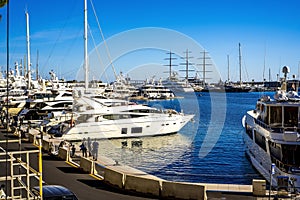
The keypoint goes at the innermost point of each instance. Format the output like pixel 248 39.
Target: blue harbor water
pixel 205 150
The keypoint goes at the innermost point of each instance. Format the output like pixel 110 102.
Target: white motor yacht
pixel 272 136
pixel 100 118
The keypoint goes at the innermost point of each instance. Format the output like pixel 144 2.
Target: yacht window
pixel 124 131
pixel 61 105
pixel 119 116
pixel 143 111
pixel 290 155
pixel 275 150
pixel 83 118
pixel 276 116
pixel 67 95
pixel 136 130
pixel 260 140
pixel 291 116
pixel 249 131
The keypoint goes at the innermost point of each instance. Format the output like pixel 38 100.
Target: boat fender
pixel 72 123
pixel 169 112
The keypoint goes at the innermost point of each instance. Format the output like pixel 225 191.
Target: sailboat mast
pixel 28 50
pixel 228 72
pixel 37 65
pixel 170 65
pixel 86 80
pixel 240 63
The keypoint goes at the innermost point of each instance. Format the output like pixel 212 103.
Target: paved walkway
pixel 59 172
pixel 86 187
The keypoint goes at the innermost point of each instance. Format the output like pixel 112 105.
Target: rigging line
pixel 98 54
pixel 58 38
pixel 53 47
pixel 71 46
pixel 246 71
pixel 104 41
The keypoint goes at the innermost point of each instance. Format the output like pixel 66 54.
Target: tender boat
pixel 272 135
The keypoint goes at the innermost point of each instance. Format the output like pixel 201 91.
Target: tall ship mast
pixel 170 65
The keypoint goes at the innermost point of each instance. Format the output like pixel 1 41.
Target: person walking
pixel 73 149
pixel 83 148
pixel 95 150
pixel 89 146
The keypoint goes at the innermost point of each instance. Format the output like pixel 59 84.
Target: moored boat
pixel 272 135
pixel 100 118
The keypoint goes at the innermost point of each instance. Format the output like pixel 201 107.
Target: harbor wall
pixel 87 165
pixel 63 153
pixel 179 190
pixel 46 145
pixel 114 178
pixel 142 185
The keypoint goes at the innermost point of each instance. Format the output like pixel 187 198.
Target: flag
pixel 2 3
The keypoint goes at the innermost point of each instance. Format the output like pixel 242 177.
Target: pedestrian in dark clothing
pixel 83 149
pixel 73 149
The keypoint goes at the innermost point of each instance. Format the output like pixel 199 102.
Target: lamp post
pixel 271 176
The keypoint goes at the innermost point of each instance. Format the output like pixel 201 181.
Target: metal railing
pixel 21 173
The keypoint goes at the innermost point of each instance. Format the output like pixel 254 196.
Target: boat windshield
pixel 282 116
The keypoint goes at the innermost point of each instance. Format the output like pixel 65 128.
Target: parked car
pixel 54 192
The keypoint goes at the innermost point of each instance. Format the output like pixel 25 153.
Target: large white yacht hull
pixel 261 159
pixel 139 127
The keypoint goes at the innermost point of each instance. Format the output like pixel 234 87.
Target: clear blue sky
pixel 267 30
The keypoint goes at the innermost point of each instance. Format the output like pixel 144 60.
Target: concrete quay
pixel 116 181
